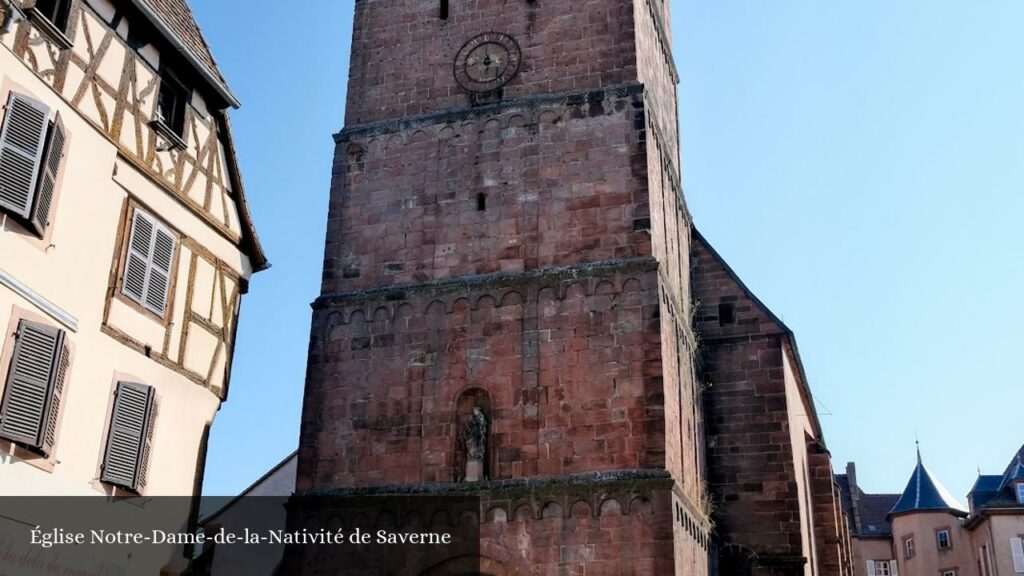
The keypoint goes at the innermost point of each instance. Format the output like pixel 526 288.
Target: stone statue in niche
pixel 475 436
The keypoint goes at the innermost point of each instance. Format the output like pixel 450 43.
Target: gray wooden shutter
pixel 137 265
pixel 56 399
pixel 27 404
pixel 126 440
pixel 147 444
pixel 147 272
pixel 21 152
pixel 48 177
pixel 159 271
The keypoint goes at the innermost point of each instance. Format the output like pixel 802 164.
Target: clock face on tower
pixel 487 62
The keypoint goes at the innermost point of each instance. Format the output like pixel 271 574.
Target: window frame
pixel 909 549
pixel 122 265
pixel 883 568
pixel 56 25
pixel 949 538
pixel 37 456
pixel 145 450
pixel 48 171
pixel 174 127
pixel 949 572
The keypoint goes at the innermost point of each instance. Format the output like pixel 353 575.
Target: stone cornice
pixel 652 478
pixel 460 114
pixel 461 283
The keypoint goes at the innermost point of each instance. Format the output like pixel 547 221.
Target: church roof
pixel 924 492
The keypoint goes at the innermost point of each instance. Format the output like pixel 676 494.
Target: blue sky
pixel 858 164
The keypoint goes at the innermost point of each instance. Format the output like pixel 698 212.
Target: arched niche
pixel 464 404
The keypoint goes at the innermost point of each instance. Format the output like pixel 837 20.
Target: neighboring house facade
pixel 870 531
pixel 996 523
pixel 925 532
pixel 125 247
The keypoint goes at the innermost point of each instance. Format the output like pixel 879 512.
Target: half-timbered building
pixel 125 247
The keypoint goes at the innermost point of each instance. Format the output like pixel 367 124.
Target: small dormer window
pixel 1020 492
pixel 170 107
pixel 51 18
pixel 56 11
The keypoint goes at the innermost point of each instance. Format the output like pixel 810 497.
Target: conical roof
pixel 925 492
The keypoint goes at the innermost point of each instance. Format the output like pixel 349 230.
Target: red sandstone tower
pixel 508 238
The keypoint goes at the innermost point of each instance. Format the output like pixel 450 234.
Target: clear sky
pixel 859 164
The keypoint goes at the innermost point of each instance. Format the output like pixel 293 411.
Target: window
pixel 148 264
pixel 1020 493
pixel 34 387
pixel 942 539
pixel 51 18
pixel 726 314
pixel 908 547
pixel 1017 551
pixel 56 11
pixel 170 107
pixel 949 573
pixel 31 150
pixel 444 9
pixel 984 562
pixel 882 568
pixel 130 436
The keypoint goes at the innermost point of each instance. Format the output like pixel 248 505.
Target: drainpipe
pixel 12 14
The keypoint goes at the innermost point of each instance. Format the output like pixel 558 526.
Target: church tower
pixel 506 296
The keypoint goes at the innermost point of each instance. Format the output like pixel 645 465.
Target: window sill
pixel 27 456
pixel 173 138
pixel 43 24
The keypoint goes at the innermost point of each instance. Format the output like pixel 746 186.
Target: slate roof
pixel 175 19
pixel 1015 469
pixel 997 491
pixel 925 492
pixel 178 15
pixel 871 509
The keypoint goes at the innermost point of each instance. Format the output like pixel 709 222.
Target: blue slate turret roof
pixel 925 493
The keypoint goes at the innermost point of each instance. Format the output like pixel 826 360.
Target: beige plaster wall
pixel 869 549
pixel 928 559
pixel 996 530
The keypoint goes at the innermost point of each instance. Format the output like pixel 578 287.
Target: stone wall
pixel 567 359
pixel 496 189
pixel 403 52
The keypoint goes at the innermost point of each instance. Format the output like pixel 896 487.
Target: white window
pixel 1017 549
pixel 1020 493
pixel 942 536
pixel 908 547
pixel 949 573
pixel 984 560
pixel 882 568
